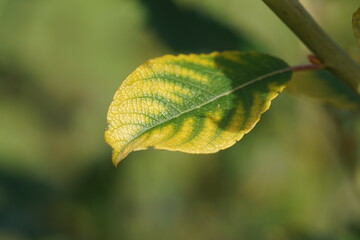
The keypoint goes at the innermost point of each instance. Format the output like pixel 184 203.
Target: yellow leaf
pixel 193 103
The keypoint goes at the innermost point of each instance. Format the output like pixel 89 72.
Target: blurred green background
pixel 60 64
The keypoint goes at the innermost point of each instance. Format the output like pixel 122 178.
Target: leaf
pixel 321 85
pixel 356 25
pixel 193 103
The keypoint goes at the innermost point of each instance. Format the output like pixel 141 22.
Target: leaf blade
pixel 325 88
pixel 193 103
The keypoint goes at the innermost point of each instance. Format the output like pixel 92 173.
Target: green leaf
pixel 193 103
pixel 356 25
pixel 321 85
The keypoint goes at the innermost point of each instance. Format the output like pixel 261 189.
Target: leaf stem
pixel 295 16
pixel 307 67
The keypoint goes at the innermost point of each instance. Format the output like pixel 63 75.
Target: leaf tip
pixel 115 158
pixel 118 156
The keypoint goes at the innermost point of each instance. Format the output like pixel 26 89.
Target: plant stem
pixel 295 16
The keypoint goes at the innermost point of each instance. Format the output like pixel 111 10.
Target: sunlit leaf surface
pixel 193 103
pixel 356 25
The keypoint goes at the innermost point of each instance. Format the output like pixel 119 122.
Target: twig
pixel 295 16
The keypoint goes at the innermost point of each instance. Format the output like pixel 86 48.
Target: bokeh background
pixel 62 61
